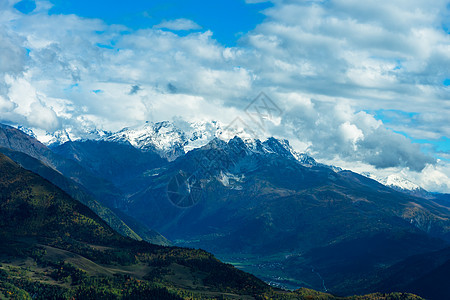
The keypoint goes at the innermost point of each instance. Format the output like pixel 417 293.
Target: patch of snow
pixel 230 180
pixel 26 131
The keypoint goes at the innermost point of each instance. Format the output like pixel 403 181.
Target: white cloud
pixel 43 117
pixel 6 105
pixel 376 55
pixel 323 62
pixel 332 129
pixel 434 177
pixel 351 133
pixel 178 24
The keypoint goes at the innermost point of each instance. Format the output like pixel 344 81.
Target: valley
pixel 257 205
pixel 269 269
pixel 240 149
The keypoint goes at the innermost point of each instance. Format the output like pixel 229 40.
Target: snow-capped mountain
pixel 395 181
pixel 173 139
pixel 162 137
pixel 399 183
pixel 170 140
pixel 59 137
pixel 247 196
pixel 26 131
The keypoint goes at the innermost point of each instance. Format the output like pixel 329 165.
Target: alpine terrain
pixel 266 208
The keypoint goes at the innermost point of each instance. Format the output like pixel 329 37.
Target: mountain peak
pixel 399 183
pixel 281 147
pixel 170 139
pixel 397 180
pixel 162 137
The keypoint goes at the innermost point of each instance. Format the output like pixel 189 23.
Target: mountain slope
pixel 258 199
pixel 75 190
pixel 276 213
pixel 426 274
pixel 31 154
pixel 15 139
pixel 258 181
pixel 54 247
pixel 32 206
pixel 33 212
pixel 118 163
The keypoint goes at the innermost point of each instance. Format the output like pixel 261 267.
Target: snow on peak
pixel 62 136
pixel 396 181
pixel 200 133
pixel 162 137
pixel 173 139
pixel 26 131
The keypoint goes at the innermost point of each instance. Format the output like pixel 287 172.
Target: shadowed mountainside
pixel 37 218
pixel 71 177
pixel 54 247
pixel 256 205
pixel 257 199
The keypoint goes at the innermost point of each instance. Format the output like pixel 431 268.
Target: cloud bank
pixel 331 66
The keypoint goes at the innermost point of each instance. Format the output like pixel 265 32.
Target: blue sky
pixel 362 85
pixel 227 19
pixel 396 119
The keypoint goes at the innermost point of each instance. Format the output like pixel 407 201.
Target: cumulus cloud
pixel 374 55
pixel 6 105
pixel 179 24
pixel 331 66
pixel 42 117
pixel 12 63
pixel 434 177
pixel 13 56
pixel 384 148
pixel 331 129
pixel 351 57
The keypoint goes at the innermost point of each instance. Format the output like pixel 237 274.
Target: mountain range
pixel 173 139
pixel 55 247
pixel 259 205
